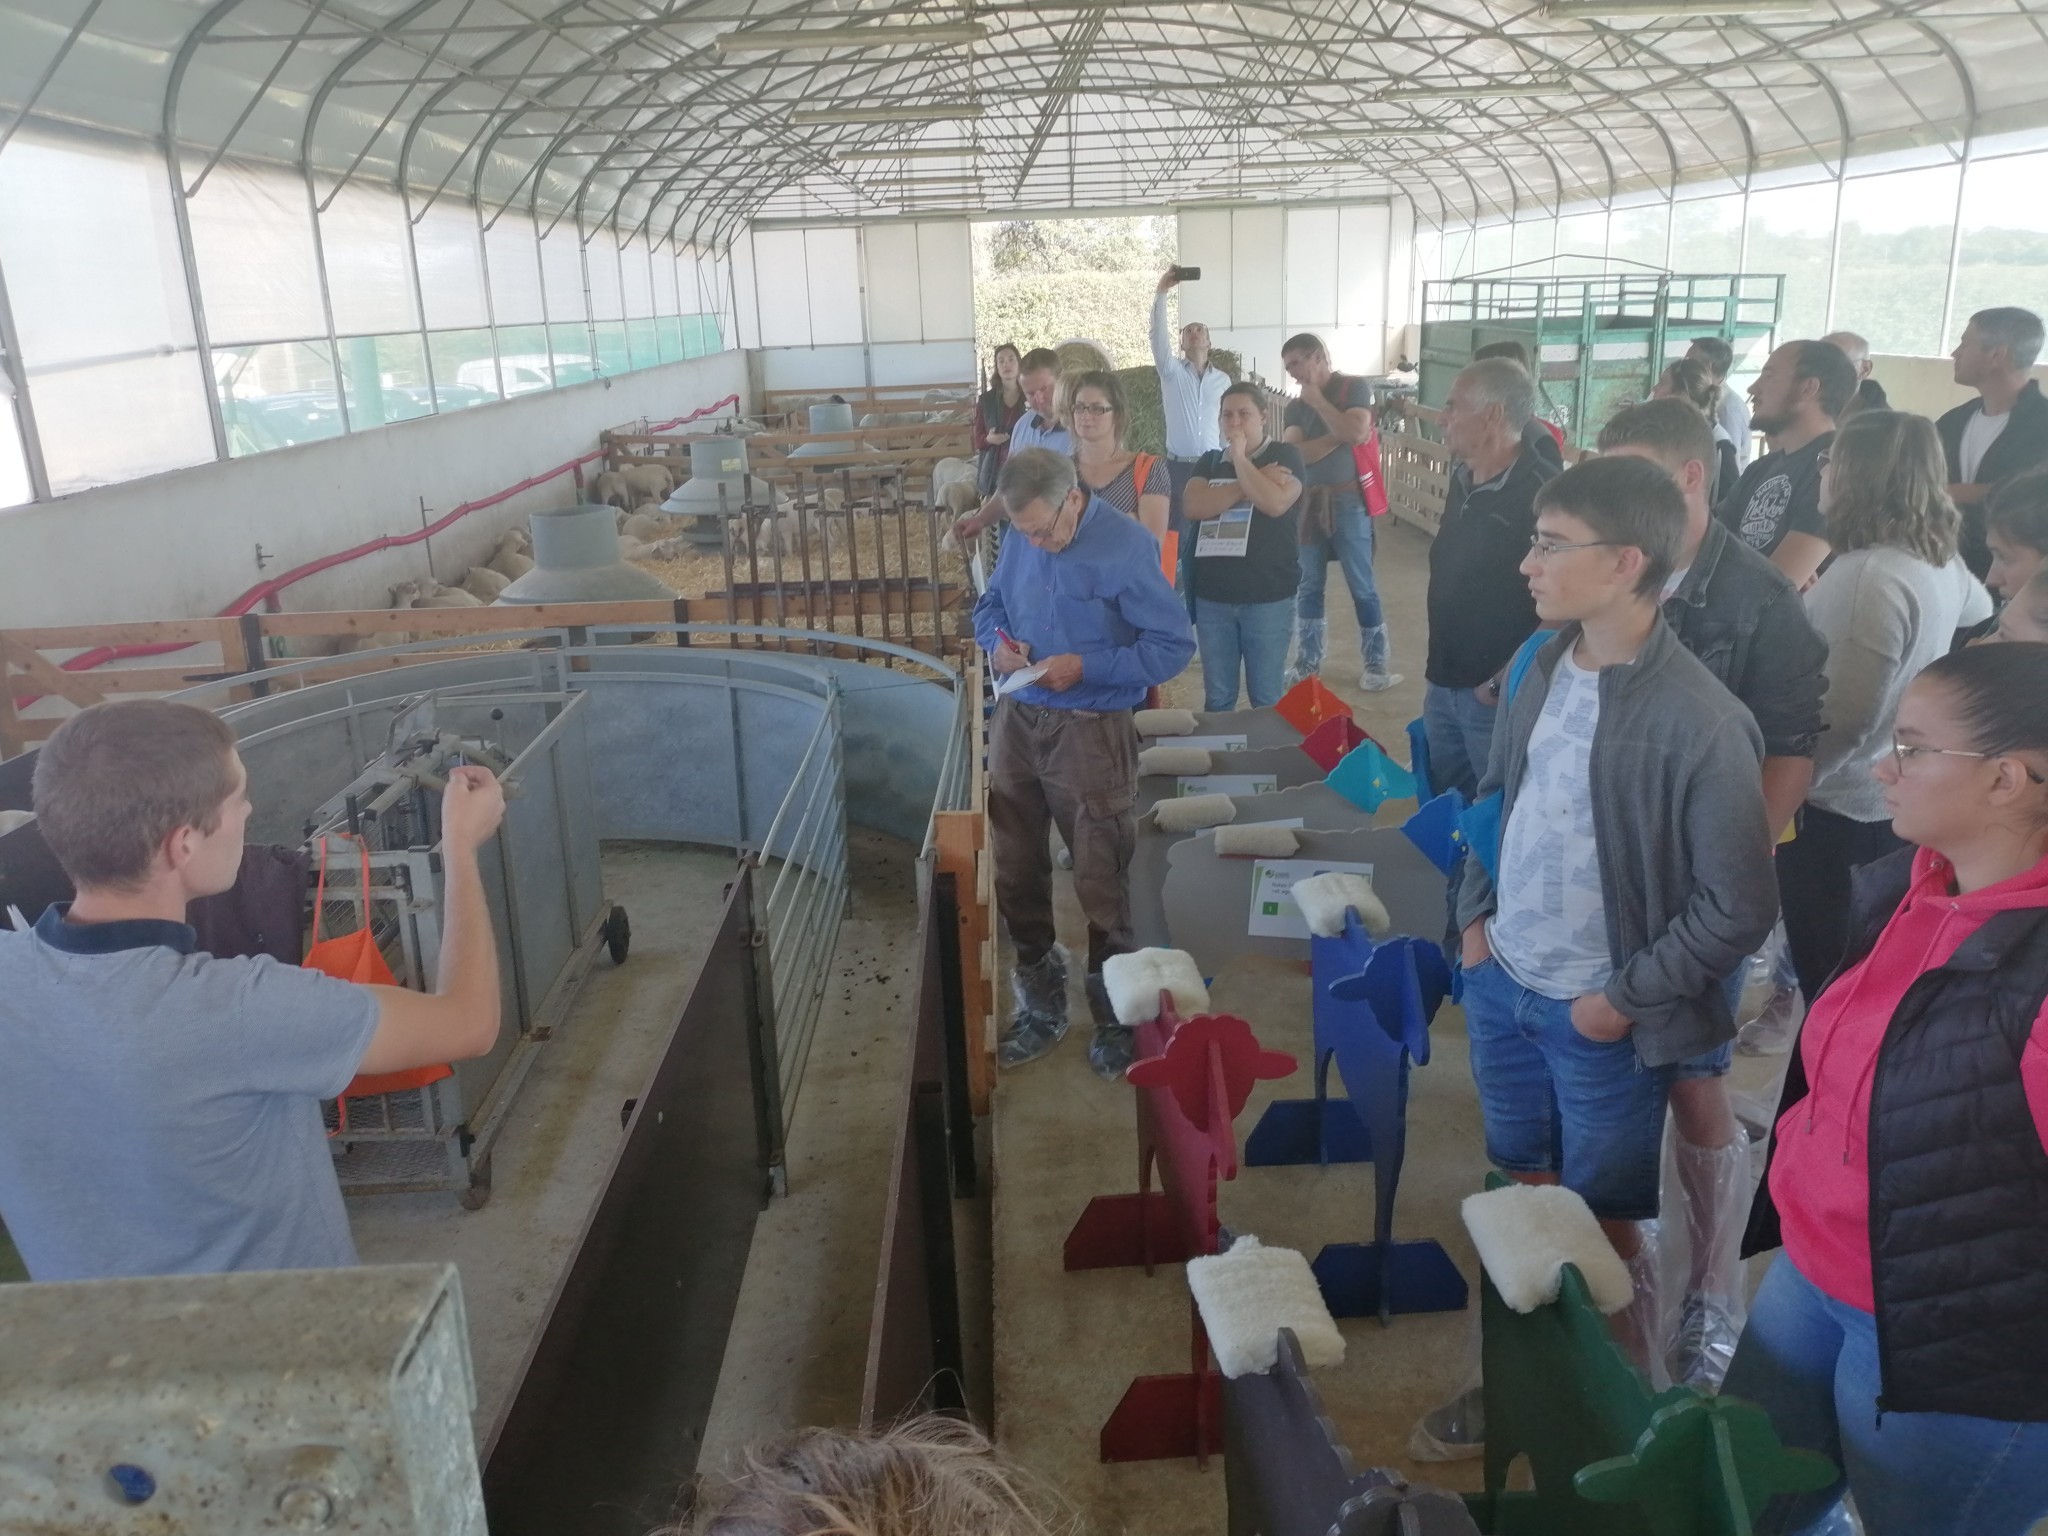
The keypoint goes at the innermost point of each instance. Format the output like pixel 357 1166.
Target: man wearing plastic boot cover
pixel 1078 622
pixel 1631 874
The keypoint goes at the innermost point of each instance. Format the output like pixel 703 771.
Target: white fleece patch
pixel 1324 898
pixel 1176 760
pixel 1136 980
pixel 1192 812
pixel 1526 1232
pixel 1256 842
pixel 1164 722
pixel 1249 1294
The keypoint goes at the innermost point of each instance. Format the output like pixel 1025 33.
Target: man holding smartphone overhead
pixel 1190 392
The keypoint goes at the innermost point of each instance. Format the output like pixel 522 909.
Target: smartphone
pixel 1188 274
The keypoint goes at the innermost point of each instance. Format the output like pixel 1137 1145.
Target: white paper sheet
pixel 1024 679
pixel 1227 784
pixel 1274 914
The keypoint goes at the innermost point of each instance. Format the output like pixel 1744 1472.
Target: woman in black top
pixel 1242 504
pixel 995 413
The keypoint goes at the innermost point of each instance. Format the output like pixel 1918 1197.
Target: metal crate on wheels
pixel 541 881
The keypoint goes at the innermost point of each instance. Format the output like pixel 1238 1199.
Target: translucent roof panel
pixel 682 119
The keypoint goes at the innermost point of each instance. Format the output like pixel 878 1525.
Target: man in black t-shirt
pixel 1332 416
pixel 1775 506
pixel 1480 610
pixel 1242 504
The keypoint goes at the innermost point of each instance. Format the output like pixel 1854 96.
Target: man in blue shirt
pixel 1039 427
pixel 1079 605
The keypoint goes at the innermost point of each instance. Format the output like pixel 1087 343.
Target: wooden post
pixel 961 842
pixel 959 839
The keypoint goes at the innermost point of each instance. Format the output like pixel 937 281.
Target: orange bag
pixel 355 957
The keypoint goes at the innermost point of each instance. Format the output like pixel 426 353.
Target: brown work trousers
pixel 1078 770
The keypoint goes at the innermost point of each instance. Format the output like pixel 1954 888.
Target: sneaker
pixel 1031 1037
pixel 1771 1032
pixel 1064 857
pixel 1378 682
pixel 1705 1344
pixel 1111 1052
pixel 1297 674
pixel 1454 1432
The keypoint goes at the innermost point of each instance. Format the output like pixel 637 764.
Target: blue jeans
pixel 1352 545
pixel 1460 732
pixel 1257 634
pixel 1555 1102
pixel 1810 1362
pixel 1178 473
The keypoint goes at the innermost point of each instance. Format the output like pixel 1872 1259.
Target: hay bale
pixel 1081 356
pixel 1146 432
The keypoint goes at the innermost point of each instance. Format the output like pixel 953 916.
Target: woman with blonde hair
pixel 1889 603
pixel 1136 484
pixel 1692 381
pixel 929 1477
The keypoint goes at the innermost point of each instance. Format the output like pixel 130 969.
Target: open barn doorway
pixel 1080 286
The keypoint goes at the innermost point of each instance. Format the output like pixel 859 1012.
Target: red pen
pixel 1000 635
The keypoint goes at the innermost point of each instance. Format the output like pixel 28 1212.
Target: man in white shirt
pixel 1719 359
pixel 2005 429
pixel 1190 392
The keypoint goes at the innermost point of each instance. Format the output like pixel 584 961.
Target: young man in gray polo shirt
pixel 159 1108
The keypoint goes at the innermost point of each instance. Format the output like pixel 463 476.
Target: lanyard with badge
pixel 1229 534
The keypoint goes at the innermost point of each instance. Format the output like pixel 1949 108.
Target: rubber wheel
pixel 618 935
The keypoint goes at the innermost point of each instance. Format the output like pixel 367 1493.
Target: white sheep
pixel 649 527
pixel 485 584
pixel 960 499
pixel 509 562
pixel 610 489
pixel 952 471
pixel 648 482
pixel 432 594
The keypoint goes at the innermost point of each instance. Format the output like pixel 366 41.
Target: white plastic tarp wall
pixel 884 303
pixel 1339 270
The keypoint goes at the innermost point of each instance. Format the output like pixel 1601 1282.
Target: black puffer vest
pixel 1958 1175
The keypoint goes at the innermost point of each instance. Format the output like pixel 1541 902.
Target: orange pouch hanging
pixel 355 957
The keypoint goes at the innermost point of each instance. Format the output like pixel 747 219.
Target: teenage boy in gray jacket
pixel 1634 870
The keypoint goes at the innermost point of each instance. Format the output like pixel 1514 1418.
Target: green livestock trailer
pixel 1598 341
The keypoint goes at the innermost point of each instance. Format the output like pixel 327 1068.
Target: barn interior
pixel 588 390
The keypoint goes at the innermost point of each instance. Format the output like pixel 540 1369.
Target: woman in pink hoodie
pixel 1904 1330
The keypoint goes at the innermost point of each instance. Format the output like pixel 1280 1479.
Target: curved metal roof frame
pixel 629 112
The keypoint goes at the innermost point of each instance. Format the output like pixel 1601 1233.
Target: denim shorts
pixel 1715 1063
pixel 1556 1102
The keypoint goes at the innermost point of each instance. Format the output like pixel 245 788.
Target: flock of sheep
pixel 636 492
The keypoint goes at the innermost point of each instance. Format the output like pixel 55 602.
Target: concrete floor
pixel 798 1348
pixel 565 1124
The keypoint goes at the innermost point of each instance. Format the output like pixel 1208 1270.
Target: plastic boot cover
pixel 1375 649
pixel 1772 1031
pixel 1040 988
pixel 1716 1185
pixel 1456 1430
pixel 1308 650
pixel 1639 1327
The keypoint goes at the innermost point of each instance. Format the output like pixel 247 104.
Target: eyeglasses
pixel 1544 549
pixel 1902 754
pixel 1084 408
